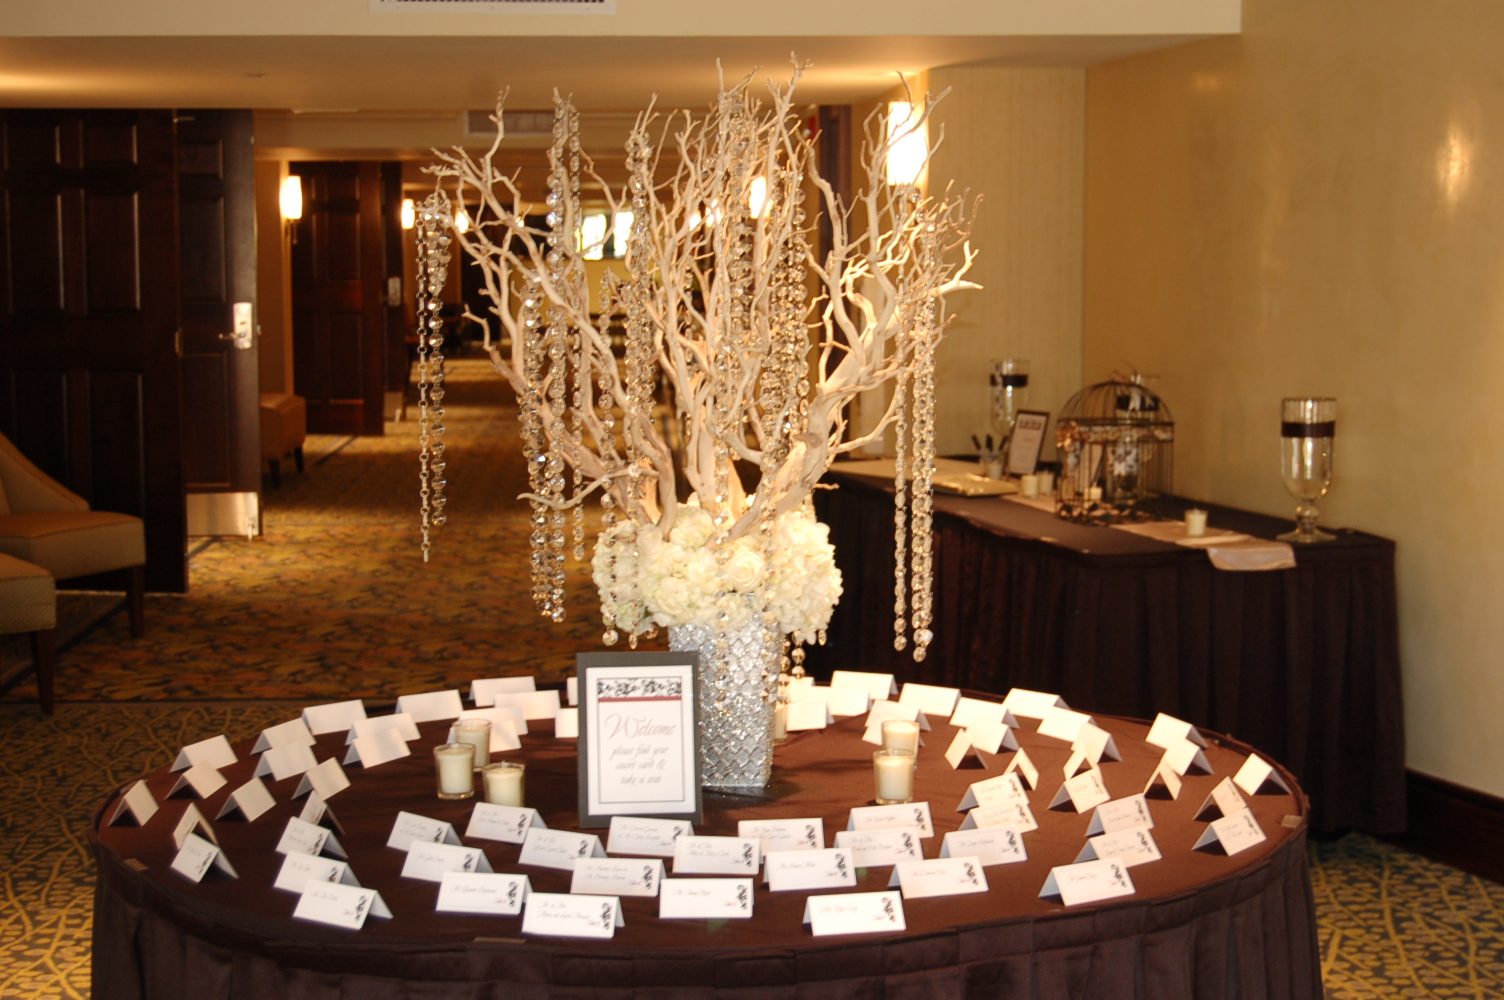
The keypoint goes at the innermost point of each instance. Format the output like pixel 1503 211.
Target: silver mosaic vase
pixel 736 720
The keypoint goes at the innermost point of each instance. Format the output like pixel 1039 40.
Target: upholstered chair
pixel 28 604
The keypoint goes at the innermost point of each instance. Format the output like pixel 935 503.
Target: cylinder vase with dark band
pixel 1307 427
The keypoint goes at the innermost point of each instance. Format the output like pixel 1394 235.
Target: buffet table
pixel 1199 924
pixel 1302 663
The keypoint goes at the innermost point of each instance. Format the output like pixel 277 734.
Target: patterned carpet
pixel 335 602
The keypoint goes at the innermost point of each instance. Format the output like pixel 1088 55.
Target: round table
pixel 1199 924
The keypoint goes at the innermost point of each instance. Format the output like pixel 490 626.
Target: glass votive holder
pixel 477 733
pixel 455 763
pixel 893 776
pixel 1028 485
pixel 1046 482
pixel 780 722
pixel 900 734
pixel 1195 523
pixel 503 782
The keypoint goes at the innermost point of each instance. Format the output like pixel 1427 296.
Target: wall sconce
pixel 290 200
pixel 908 143
pixel 409 213
pixel 757 197
pixel 461 221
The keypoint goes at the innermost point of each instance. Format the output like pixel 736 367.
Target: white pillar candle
pixel 477 733
pixel 899 734
pixel 780 722
pixel 1195 523
pixel 456 766
pixel 503 783
pixel 893 775
pixel 1046 482
pixel 1028 485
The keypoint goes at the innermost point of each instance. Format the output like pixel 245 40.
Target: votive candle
pixel 503 782
pixel 1046 482
pixel 893 775
pixel 455 763
pixel 780 722
pixel 1028 485
pixel 477 733
pixel 1195 522
pixel 900 734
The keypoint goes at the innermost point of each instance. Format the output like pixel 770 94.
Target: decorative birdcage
pixel 1116 443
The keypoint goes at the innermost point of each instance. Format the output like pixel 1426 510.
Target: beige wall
pixel 1317 207
pixel 273 281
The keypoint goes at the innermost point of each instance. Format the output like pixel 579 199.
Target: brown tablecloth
pixel 1302 663
pixel 1200 925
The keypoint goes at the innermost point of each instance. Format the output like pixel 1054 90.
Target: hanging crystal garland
pixel 926 333
pixel 432 225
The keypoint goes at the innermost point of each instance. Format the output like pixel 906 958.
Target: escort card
pixel 497 714
pixel 1094 743
pixel 617 877
pixel 882 817
pixel 1076 763
pixel 1231 834
pixel 380 747
pixel 809 713
pixel 558 848
pixel 503 734
pixel 534 704
pixel 316 810
pixel 829 868
pixel 873 848
pixel 250 800
pixel 944 877
pixel 1185 758
pixel 333 718
pixel 432 706
pixel 483 692
pixel 572 690
pixel 706 899
pixel 994 791
pixel 215 751
pixel 961 753
pixel 1168 731
pixel 300 869
pixel 340 905
pixel 286 734
pixel 1120 814
pixel 1014 814
pixel 508 824
pixel 287 761
pixel 429 862
pixel 1023 766
pixel 931 700
pixel 1081 792
pixel 998 845
pixel 1164 783
pixel 567 725
pixel 302 837
pixel 1132 847
pixel 882 711
pixel 1088 882
pixel 196 856
pixel 403 723
pixel 136 806
pixel 1224 800
pixel 717 856
pixel 970 711
pixel 1063 724
pixel 1032 704
pixel 411 827
pixel 327 779
pixel 193 821
pixel 468 892
pixel 654 837
pixel 200 781
pixel 847 701
pixel 854 913
pixel 784 834
pixel 1258 777
pixel 991 737
pixel 559 915
pixel 879 687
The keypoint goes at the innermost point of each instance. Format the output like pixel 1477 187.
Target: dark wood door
pixel 217 229
pixel 89 384
pixel 338 290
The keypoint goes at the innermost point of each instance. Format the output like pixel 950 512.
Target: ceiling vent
pixel 499 6
pixel 518 124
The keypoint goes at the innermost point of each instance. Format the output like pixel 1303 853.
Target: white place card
pixel 1132 847
pixel 196 856
pixel 828 868
pixel 882 711
pixel 1164 783
pixel 1231 834
pixel 193 821
pixel 1185 758
pixel 1120 814
pixel 136 806
pixel 810 713
pixel 1032 704
pixel 249 801
pixel 654 837
pixel 855 913
pixel 470 892
pixel 552 914
pixel 215 751
pixel 931 700
pixel 299 869
pixel 429 862
pixel 431 706
pixel 286 761
pixel 994 791
pixel 345 906
pixel 200 781
pixel 998 845
pixel 874 848
pixel 534 704
pixel 847 701
pixel 879 687
pixel 717 855
pixel 784 834
pixel 558 848
pixel 617 876
pixel 1168 731
pixel 1023 766
pixel 483 691
pixel 961 753
pixel 572 690
pixel 1224 800
pixel 508 824
pixel 1258 777
pixel 1014 814
pixel 497 714
pixel 303 837
pixel 1082 792
pixel 1088 882
pixel 335 717
pixel 503 735
pixel 942 877
pixel 380 747
pixel 1095 743
pixel 316 810
pixel 403 723
pixel 970 711
pixel 567 725
pixel 881 817
pixel 410 827
pixel 1076 764
pixel 706 899
pixel 1063 724
pixel 327 779
pixel 289 733
pixel 991 737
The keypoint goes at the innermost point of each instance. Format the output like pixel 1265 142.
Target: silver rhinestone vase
pixel 736 719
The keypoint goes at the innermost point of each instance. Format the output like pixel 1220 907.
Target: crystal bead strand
pixel 922 491
pixel 433 262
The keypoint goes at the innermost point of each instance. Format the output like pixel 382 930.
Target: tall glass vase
pixel 736 719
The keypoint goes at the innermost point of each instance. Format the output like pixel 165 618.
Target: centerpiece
pixel 705 398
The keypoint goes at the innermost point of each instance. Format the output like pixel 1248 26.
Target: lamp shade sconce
pixel 409 213
pixel 461 221
pixel 908 143
pixel 290 201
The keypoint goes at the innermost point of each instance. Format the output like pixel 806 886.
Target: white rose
pixel 701 572
pixel 744 570
pixel 670 598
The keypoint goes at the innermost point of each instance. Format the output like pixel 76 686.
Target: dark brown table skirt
pixel 1199 926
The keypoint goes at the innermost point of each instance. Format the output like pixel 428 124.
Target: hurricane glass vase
pixel 737 665
pixel 1307 427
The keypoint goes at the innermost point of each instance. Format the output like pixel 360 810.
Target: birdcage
pixel 1116 446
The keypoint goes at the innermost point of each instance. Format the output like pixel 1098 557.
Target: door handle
pixel 241 336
